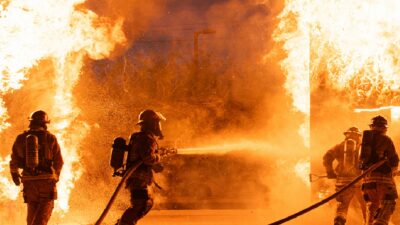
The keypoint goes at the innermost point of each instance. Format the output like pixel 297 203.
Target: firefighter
pixel 37 153
pixel 346 154
pixel 143 147
pixel 378 186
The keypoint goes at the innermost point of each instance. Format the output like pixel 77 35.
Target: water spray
pixel 225 148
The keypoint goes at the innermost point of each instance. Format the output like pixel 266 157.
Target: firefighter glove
pixel 331 174
pixel 16 178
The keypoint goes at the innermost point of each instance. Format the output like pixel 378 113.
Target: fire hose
pixel 127 174
pixel 334 195
pixel 162 152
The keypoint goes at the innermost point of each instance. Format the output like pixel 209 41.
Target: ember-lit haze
pixel 236 114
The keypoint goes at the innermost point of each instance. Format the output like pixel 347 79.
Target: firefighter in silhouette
pixel 346 154
pixel 37 153
pixel 378 186
pixel 143 147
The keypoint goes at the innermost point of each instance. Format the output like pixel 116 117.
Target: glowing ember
pixel 54 30
pixel 302 170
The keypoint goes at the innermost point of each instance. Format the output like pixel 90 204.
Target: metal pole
pixel 196 60
pixel 196 50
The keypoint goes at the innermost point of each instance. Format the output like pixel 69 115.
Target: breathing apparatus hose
pixel 127 174
pixel 334 195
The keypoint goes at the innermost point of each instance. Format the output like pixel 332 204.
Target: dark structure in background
pixel 225 76
pixel 215 181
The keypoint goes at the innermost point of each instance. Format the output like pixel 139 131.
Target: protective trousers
pixel 141 203
pixel 381 201
pixel 343 203
pixel 39 196
pixel 39 212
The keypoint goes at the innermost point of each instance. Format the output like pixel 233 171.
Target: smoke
pixel 137 16
pixel 236 93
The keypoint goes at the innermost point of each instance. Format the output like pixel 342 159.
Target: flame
pixel 66 34
pixel 395 113
pixel 352 46
pixel 297 63
pixel 8 189
pixel 302 170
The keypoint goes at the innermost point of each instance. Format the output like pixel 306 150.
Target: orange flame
pixel 292 31
pixel 302 170
pixel 54 30
pixel 355 43
pixel 8 189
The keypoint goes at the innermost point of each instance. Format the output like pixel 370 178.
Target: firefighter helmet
pixel 149 115
pixel 39 117
pixel 352 130
pixel 379 121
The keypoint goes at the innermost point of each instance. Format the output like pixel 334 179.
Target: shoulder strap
pixel 48 153
pixel 131 154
